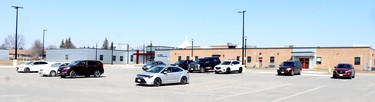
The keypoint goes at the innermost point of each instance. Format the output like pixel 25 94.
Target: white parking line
pixel 297 94
pixel 234 95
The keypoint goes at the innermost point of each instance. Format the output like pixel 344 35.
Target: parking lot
pixel 117 84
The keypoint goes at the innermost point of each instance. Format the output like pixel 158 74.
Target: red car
pixel 344 70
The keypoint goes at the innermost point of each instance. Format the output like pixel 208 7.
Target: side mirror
pixel 334 67
pixel 279 65
pixel 164 72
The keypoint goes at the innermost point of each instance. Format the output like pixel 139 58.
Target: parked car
pixel 151 64
pixel 183 64
pixel 228 66
pixel 82 67
pixel 159 75
pixel 344 70
pixel 52 69
pixel 204 64
pixel 290 68
pixel 31 66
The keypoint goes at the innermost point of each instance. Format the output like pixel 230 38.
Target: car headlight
pixel 150 76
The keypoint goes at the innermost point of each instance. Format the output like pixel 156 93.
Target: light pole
pixel 16 47
pixel 96 51
pixel 44 31
pixel 128 54
pixel 245 50
pixel 192 49
pixel 243 34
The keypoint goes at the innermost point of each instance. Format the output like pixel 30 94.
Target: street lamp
pixel 16 47
pixel 44 31
pixel 245 49
pixel 243 33
pixel 192 49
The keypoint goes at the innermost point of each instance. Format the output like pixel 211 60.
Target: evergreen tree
pixel 62 45
pixel 105 44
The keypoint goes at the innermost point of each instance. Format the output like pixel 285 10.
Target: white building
pixel 119 56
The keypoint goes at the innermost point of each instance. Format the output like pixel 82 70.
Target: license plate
pixel 341 74
pixel 282 72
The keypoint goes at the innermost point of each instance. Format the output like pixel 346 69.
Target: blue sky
pixel 268 23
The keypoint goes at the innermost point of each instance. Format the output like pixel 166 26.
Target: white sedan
pixel 51 70
pixel 159 75
pixel 32 66
pixel 228 66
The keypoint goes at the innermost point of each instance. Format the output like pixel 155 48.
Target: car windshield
pixel 155 69
pixel 346 66
pixel 287 64
pixel 226 63
pixel 74 63
pixel 56 65
pixel 28 63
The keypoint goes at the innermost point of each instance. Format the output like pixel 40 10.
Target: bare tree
pixel 51 47
pixel 37 48
pixel 10 40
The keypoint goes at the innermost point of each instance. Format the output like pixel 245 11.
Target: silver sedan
pixel 159 75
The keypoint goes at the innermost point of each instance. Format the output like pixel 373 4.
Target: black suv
pixel 82 67
pixel 183 64
pixel 290 68
pixel 204 64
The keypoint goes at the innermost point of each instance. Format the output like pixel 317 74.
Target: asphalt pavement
pixel 117 85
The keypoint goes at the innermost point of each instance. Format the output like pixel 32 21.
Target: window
pixel 238 58
pixel 272 59
pixel 248 59
pixel 187 57
pixel 175 69
pixel 66 57
pixel 179 58
pixel 43 63
pixel 131 58
pixel 318 60
pixel 121 58
pixel 216 61
pixel 357 60
pixel 114 58
pixel 196 58
pixel 235 63
pixel 101 57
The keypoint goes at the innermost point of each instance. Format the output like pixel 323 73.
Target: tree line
pixel 37 46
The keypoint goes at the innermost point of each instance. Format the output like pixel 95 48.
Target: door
pixel 305 62
pixel 167 75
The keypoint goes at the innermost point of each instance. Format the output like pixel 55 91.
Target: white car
pixel 228 66
pixel 159 75
pixel 32 66
pixel 52 69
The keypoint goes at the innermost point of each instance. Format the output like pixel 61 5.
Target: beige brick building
pixel 311 57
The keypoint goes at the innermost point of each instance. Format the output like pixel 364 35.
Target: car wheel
pixel 27 70
pixel 300 71
pixel 227 71
pixel 97 73
pixel 184 80
pixel 73 74
pixel 216 72
pixel 240 70
pixel 353 76
pixel 52 73
pixel 157 82
pixel 202 70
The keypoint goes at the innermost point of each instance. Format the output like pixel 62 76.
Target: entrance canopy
pixel 303 54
